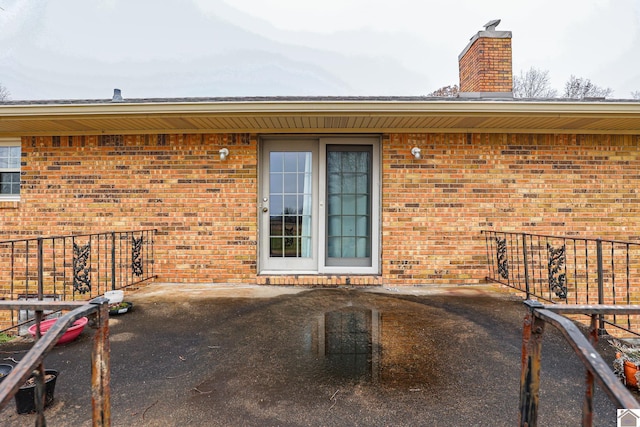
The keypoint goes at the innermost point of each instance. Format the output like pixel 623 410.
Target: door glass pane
pixel 291 162
pixel 334 225
pixel 276 205
pixel 348 204
pixel 290 184
pixel 290 204
pixel 276 162
pixel 275 245
pixel 362 204
pixel 334 183
pixel 348 183
pixel 348 225
pixel 362 226
pixel 275 183
pixel 334 247
pixel 362 183
pixel 362 245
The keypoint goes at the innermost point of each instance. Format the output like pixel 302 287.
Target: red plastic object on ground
pixel 71 333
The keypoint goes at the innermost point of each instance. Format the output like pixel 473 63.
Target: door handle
pixel 265 209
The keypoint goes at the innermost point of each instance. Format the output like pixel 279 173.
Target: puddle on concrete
pixel 379 345
pixel 348 339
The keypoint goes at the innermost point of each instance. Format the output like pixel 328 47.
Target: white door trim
pixel 318 148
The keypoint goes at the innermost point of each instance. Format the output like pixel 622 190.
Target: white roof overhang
pixel 281 116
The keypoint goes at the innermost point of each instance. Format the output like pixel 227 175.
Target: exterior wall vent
pixel 117 96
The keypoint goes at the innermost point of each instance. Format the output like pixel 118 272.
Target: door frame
pixel 319 217
pixel 285 265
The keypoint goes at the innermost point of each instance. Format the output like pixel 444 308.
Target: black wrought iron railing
pixel 70 268
pixel 569 270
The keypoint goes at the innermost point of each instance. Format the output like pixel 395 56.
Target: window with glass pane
pixel 290 185
pixel 9 170
pixel 349 205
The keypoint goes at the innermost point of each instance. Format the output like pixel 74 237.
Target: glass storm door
pixel 348 194
pixel 289 206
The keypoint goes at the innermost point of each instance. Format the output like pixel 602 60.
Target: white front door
pixel 320 205
pixel 289 209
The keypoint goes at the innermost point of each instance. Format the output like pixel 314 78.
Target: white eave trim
pixel 322 107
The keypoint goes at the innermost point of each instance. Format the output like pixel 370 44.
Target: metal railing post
pixel 525 260
pixel 40 255
pixel 100 367
pixel 113 261
pixel 531 362
pixel 587 403
pixel 40 391
pixel 601 330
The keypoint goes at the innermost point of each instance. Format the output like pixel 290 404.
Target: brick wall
pixel 432 209
pixel 486 66
pixel 203 208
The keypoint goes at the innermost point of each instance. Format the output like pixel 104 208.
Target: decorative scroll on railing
pixel 75 267
pixel 81 272
pixel 557 279
pixel 136 256
pixel 501 256
pixel 569 270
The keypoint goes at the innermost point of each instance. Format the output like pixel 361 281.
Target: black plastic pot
pixel 25 397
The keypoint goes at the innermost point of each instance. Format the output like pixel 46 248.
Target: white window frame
pixel 11 142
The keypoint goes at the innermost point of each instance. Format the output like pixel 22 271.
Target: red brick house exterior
pixel 486 161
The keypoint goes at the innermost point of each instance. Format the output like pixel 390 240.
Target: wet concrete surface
pixel 247 356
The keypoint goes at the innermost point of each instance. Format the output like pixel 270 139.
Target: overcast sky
pixel 79 49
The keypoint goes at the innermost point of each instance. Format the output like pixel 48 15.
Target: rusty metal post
pixel 39 395
pixel 40 391
pixel 587 405
pixel 530 374
pixel 100 367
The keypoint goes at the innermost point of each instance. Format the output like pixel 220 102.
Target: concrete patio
pixel 213 355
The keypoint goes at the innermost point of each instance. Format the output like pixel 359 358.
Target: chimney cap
pixel 489 32
pixel 491 25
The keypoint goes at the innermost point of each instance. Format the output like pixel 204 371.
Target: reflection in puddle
pixel 348 339
pixel 364 344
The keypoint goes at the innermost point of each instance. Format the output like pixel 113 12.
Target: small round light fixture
pixel 224 153
pixel 415 151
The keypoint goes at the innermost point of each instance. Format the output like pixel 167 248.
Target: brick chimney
pixel 485 64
